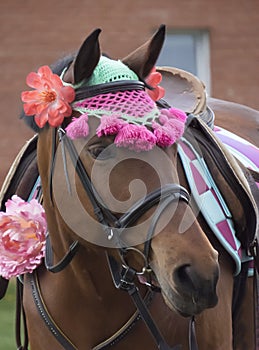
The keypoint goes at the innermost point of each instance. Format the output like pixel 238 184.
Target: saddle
pixel 21 173
pixel 185 91
pixel 20 180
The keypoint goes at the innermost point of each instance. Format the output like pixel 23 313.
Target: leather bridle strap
pixel 124 280
pixel 20 316
pixel 88 187
pixel 177 193
pixel 192 335
pixel 73 248
pixel 172 191
pixel 63 340
pixel 102 214
pixel 112 87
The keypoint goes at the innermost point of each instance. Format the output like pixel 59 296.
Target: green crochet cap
pixel 108 70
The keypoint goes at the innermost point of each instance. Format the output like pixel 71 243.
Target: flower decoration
pixel 153 80
pixel 50 101
pixel 23 230
pixel 131 116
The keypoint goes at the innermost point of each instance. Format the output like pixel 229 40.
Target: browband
pixel 113 87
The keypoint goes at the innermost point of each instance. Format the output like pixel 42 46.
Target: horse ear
pixel 143 59
pixel 86 60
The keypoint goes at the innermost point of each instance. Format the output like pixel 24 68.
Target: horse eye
pixel 101 152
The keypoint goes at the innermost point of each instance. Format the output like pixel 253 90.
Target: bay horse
pixel 139 236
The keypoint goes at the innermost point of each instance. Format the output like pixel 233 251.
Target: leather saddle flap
pixel 22 173
pixel 20 180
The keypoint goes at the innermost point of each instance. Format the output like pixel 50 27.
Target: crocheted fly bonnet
pixel 125 109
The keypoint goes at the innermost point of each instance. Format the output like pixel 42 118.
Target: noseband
pixel 113 227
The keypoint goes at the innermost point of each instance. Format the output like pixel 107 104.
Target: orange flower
pixel 50 101
pixel 153 80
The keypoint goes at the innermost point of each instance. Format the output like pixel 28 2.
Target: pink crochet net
pixel 132 116
pixel 134 103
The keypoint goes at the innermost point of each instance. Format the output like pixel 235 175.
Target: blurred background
pixel 217 40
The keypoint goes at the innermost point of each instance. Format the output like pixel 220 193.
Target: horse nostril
pixel 188 279
pixel 182 276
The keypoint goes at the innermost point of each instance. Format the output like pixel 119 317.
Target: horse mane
pixel 57 68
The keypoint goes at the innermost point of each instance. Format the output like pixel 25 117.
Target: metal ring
pixel 144 269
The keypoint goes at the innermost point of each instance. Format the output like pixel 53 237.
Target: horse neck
pixel 88 270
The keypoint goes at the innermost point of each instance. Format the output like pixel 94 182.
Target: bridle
pixel 113 226
pixel 124 276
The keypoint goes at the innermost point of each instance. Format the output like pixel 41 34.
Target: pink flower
pixel 22 237
pixel 78 127
pixel 49 102
pixel 109 125
pixel 135 137
pixel 153 80
pixel 165 135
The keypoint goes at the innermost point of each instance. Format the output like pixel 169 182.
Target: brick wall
pixel 33 33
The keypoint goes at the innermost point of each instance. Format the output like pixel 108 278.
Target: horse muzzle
pixel 189 293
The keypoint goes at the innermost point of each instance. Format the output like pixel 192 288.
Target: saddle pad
pixel 244 151
pixel 232 184
pixel 209 200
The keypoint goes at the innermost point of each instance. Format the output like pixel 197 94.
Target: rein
pixel 124 277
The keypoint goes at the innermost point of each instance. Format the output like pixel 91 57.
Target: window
pixel 188 50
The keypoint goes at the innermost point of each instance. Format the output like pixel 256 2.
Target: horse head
pixel 113 192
